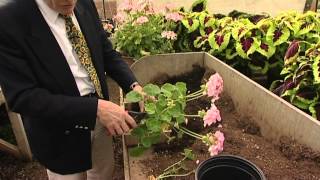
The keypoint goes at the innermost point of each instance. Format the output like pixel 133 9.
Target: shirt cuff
pixel 133 85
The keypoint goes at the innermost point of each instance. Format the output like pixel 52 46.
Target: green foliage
pixel 133 97
pixel 301 85
pixel 242 38
pixel 162 114
pixel 140 40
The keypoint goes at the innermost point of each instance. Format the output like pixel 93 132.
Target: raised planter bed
pixel 275 117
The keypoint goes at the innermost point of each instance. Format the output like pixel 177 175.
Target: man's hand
pixel 114 118
pixel 138 89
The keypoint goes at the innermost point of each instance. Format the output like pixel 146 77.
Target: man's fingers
pixel 130 121
pixel 118 130
pixel 111 131
pixel 125 127
pixel 108 133
pixel 141 105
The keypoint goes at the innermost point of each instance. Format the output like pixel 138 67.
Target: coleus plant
pixel 301 84
pixel 165 114
pixel 257 42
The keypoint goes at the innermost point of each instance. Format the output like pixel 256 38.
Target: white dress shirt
pixel 58 28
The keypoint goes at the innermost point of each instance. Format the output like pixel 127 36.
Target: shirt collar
pixel 51 14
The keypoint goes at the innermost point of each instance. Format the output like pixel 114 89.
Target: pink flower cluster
pixel 212 116
pixel 137 6
pixel 175 16
pixel 108 27
pixel 120 17
pixel 169 35
pixel 214 86
pixel 126 6
pixel 217 143
pixel 141 20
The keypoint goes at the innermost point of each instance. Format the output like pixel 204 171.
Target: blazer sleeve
pixel 114 65
pixel 25 95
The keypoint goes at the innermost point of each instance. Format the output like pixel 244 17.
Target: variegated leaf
pixel 316 70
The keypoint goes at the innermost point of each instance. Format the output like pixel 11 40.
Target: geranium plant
pixel 144 30
pixel 165 114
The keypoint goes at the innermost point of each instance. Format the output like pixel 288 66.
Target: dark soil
pixel 14 169
pixel 285 160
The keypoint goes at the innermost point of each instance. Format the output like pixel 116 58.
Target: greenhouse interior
pixel 152 90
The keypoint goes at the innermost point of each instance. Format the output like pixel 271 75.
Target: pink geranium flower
pixel 214 86
pixel 108 27
pixel 175 16
pixel 141 20
pixel 126 6
pixel 217 144
pixel 169 35
pixel 120 17
pixel 212 116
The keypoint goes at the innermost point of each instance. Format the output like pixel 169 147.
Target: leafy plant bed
pixel 283 160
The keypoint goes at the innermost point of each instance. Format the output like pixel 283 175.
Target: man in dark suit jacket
pixel 43 80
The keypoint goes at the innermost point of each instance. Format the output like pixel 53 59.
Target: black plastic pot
pixel 228 167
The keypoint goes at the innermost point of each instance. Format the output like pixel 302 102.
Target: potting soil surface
pixel 283 160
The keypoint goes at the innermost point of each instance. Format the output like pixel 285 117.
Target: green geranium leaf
pixel 189 154
pixel 138 132
pixel 137 151
pixel 182 87
pixel 175 111
pixel 151 89
pixel 155 137
pixel 133 97
pixel 150 108
pixel 165 117
pixel 153 125
pixel 180 119
pixel 167 89
pixel 146 141
pixel 161 100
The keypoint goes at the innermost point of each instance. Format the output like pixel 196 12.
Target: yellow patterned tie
pixel 80 46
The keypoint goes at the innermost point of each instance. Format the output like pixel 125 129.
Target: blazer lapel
pixel 47 49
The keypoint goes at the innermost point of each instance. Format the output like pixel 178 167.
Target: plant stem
pixel 196 92
pixel 176 175
pixel 191 115
pixel 168 173
pixel 194 98
pixel 194 95
pixel 175 163
pixel 190 133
